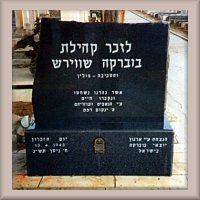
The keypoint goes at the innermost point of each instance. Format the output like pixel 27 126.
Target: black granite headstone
pixel 99 100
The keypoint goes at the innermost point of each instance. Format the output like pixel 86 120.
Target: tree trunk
pixel 113 16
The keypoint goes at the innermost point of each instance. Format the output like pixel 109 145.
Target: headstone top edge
pixel 46 20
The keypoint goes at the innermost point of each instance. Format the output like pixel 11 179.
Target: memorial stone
pixel 99 100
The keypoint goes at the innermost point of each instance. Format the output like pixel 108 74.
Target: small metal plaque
pixel 99 146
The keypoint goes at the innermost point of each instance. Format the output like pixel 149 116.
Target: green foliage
pixel 97 12
pixel 32 68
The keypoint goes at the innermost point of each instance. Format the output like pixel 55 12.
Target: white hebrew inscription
pixel 80 61
pixel 123 63
pixel 84 48
pixel 78 64
pixel 56 63
pixel 121 47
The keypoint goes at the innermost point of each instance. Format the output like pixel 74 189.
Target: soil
pixel 22 108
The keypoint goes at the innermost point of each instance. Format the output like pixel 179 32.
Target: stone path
pixel 177 181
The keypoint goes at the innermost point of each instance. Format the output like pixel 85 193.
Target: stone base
pixel 134 152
